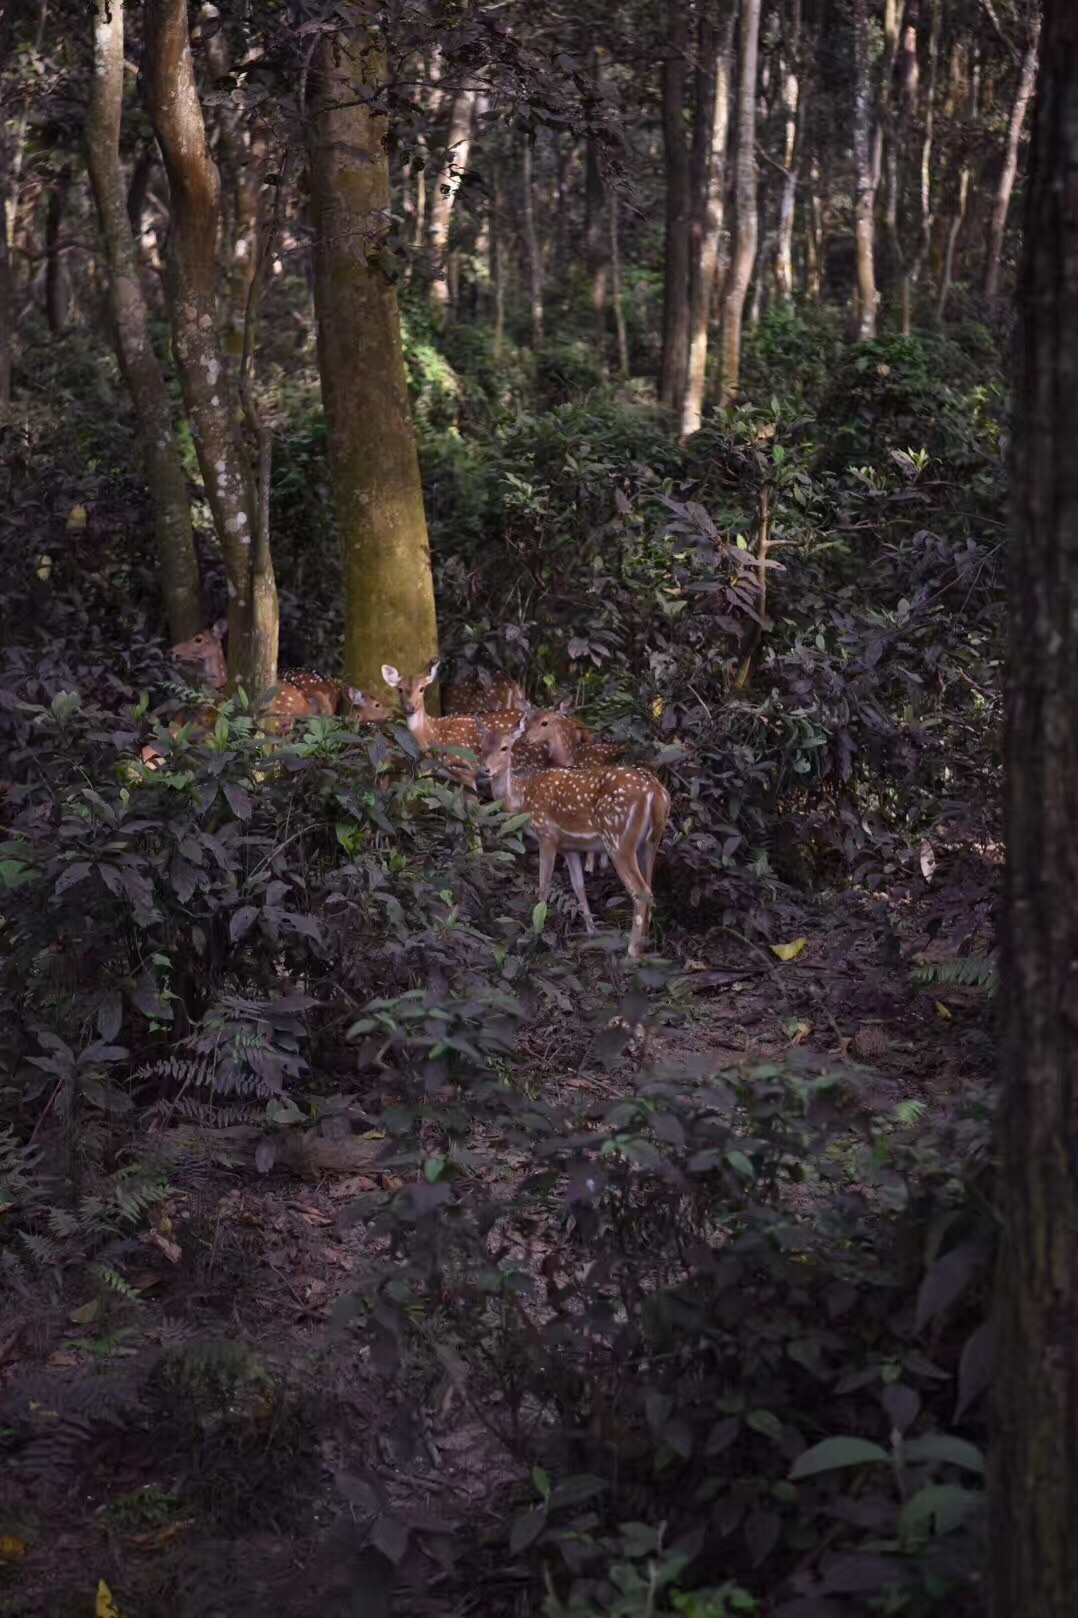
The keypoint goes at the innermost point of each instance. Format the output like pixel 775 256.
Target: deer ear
pixel 220 629
pixel 355 695
pixel 565 705
pixel 390 675
pixel 435 665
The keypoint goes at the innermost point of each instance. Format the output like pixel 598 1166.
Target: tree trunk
pixel 674 365
pixel 499 260
pixel 57 279
pixel 446 185
pixel 532 253
pixel 141 175
pixel 212 406
pixel 596 235
pixel 927 204
pixel 164 470
pixel 1034 1454
pixel 1005 183
pixel 615 288
pixel 965 174
pixel 791 99
pixel 389 590
pixel 747 222
pixel 865 205
pixel 709 191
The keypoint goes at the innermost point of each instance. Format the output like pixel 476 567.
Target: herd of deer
pixel 541 762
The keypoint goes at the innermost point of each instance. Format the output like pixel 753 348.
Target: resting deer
pixel 298 696
pixel 621 812
pixel 435 735
pixel 481 692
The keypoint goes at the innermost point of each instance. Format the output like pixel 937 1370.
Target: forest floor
pixel 206 1522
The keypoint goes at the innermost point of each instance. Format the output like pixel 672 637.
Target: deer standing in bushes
pixel 620 811
pixel 435 736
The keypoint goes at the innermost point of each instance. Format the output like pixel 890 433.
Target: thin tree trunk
pixel 164 470
pixel 677 314
pixel 1005 184
pixel 137 191
pixel 195 193
pixel 744 255
pixel 791 99
pixel 864 207
pixel 389 590
pixel 57 279
pixel 958 218
pixel 1034 1455
pixel 532 254
pixel 446 186
pixel 596 235
pixel 710 134
pixel 927 204
pixel 241 163
pixel 615 288
pixel 499 262
pixel 7 289
pixel 814 236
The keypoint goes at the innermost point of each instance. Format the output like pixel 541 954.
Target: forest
pixel 440 436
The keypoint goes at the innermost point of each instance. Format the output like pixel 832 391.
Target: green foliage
pixel 967 972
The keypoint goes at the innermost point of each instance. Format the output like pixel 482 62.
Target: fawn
pixel 618 811
pixel 435 735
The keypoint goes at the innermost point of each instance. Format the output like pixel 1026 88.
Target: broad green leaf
pixel 833 1453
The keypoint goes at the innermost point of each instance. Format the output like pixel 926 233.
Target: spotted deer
pixel 569 746
pixel 299 695
pixel 480 692
pixel 619 811
pixel 435 736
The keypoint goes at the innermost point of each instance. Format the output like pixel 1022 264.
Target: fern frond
pixel 961 971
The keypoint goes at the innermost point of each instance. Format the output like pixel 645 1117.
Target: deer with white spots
pixel 300 695
pixel 482 693
pixel 436 735
pixel 620 811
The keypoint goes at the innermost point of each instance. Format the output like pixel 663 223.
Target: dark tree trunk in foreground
pixel 676 309
pixel 164 469
pixel 389 591
pixel 212 404
pixel 1034 1455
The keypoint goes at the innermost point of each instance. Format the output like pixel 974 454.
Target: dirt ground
pixel 292 1482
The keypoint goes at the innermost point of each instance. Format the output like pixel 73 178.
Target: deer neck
pixel 506 787
pixel 421 726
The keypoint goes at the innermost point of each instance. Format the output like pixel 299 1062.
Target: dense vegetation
pixel 370 1240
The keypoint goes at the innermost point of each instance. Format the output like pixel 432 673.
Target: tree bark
pixel 864 208
pixel 212 405
pixel 446 185
pixel 927 204
pixel 744 255
pixel 242 159
pixel 791 100
pixel 532 254
pixel 596 235
pixel 710 132
pixel 1005 184
pixel 1034 1454
pixel 499 259
pixel 389 590
pixel 674 364
pixel 965 174
pixel 615 288
pixel 57 279
pixel 164 470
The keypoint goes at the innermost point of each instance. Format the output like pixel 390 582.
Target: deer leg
pixel 632 878
pixel 576 877
pixel 589 863
pixel 548 853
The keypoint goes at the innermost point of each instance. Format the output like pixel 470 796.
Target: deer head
pixel 412 687
pixel 205 651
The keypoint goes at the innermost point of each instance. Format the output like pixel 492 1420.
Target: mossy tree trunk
pixel 389 590
pixel 1034 1453
pixel 211 401
pixel 164 470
